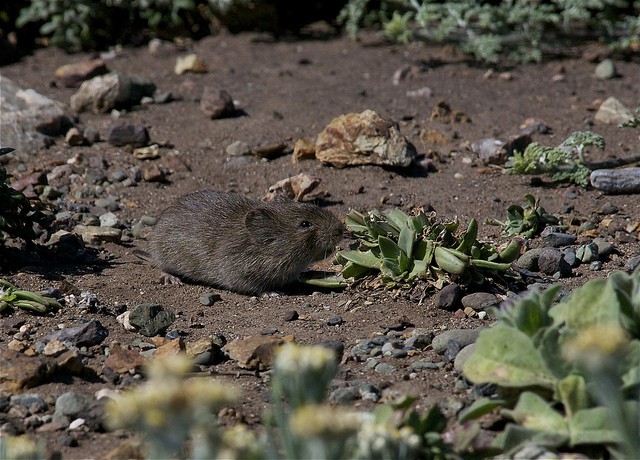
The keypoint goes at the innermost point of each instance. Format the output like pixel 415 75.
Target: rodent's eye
pixel 305 224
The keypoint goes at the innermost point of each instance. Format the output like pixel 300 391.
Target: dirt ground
pixel 290 90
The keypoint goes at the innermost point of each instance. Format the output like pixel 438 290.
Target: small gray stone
pixel 595 266
pixel 606 70
pixel 203 359
pixel 111 91
pixel 570 257
pixel 34 402
pixel 480 300
pixel 343 395
pixel 128 134
pixel 463 336
pixel 385 368
pixel 462 357
pixel 605 249
pixel 291 315
pixel 420 338
pixel 151 319
pixel 557 239
pixel 448 298
pixel 209 298
pixel 71 405
pixel 92 135
pixel 608 209
pixel 118 176
pixel 632 263
pixel 416 365
pixel 110 203
pixel 551 261
pixel 238 149
pixel 335 321
pixel 453 348
pixel 369 392
pixel 587 253
pixel 529 260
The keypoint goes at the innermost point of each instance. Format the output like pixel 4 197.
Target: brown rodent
pixel 229 241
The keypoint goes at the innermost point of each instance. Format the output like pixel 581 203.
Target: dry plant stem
pixel 614 163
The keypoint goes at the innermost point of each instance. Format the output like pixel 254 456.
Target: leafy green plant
pixel 12 296
pixel 568 374
pixel 566 162
pixel 521 29
pixel 399 248
pixel 527 220
pixel 17 214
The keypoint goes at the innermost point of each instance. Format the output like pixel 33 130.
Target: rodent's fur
pixel 232 242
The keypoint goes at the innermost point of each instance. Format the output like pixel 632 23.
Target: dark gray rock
pixel 529 260
pixel 632 263
pixel 385 368
pixel 570 257
pixel 448 298
pixel 71 405
pixel 370 392
pixel 480 300
pixel 462 357
pixel 551 261
pixel 343 395
pixel 209 298
pixel 85 335
pixel 420 338
pixel 34 402
pixel 128 134
pixel 151 319
pixel 587 253
pixel 557 239
pixel 605 249
pixel 417 365
pixel 335 321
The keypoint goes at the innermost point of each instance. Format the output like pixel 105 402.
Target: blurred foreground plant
pixel 171 409
pixel 568 374
pixel 20 448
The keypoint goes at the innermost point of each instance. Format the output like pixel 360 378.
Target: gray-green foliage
pixel 573 367
pixel 521 29
pixel 82 24
pixel 10 295
pixel 565 162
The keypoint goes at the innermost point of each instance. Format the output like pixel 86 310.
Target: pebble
pixel 74 137
pixel 385 368
pixel 453 348
pixel 335 321
pixel 480 300
pixel 217 103
pixel 93 234
pixel 291 315
pixel 72 75
pixel 87 334
pixel 463 336
pixel 190 63
pixel 606 70
pixel 613 112
pixel 587 253
pixel 70 405
pixel 92 135
pixel 369 392
pixel 32 401
pixel 420 338
pixel 632 263
pixel 343 395
pixel 448 298
pixel 570 257
pixel 605 249
pixel 551 262
pixel 529 260
pixel 557 239
pixel 153 173
pixel 110 203
pixel 209 298
pixel 595 266
pixel 151 319
pixel 608 209
pixel 111 91
pixel 128 134
pixel 238 149
pixel 416 365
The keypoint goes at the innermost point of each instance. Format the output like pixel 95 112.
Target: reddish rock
pixel 72 75
pixel 217 103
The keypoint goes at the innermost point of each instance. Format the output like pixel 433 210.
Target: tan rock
pixel 304 149
pixel 198 347
pixel 121 360
pixel 171 348
pixel 20 371
pixel 613 112
pixel 294 188
pixel 254 352
pixel 190 63
pixel 72 75
pixel 363 139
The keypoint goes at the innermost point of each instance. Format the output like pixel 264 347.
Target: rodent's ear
pixel 262 225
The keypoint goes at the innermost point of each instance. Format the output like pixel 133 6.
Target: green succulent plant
pixel 527 220
pixel 10 295
pixel 400 248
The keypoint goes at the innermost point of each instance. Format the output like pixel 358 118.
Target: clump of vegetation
pixel 527 220
pixel 399 249
pixel 568 374
pixel 17 213
pixel 171 409
pixel 565 162
pixel 11 296
pixel 519 29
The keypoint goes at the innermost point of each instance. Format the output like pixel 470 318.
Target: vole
pixel 230 241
